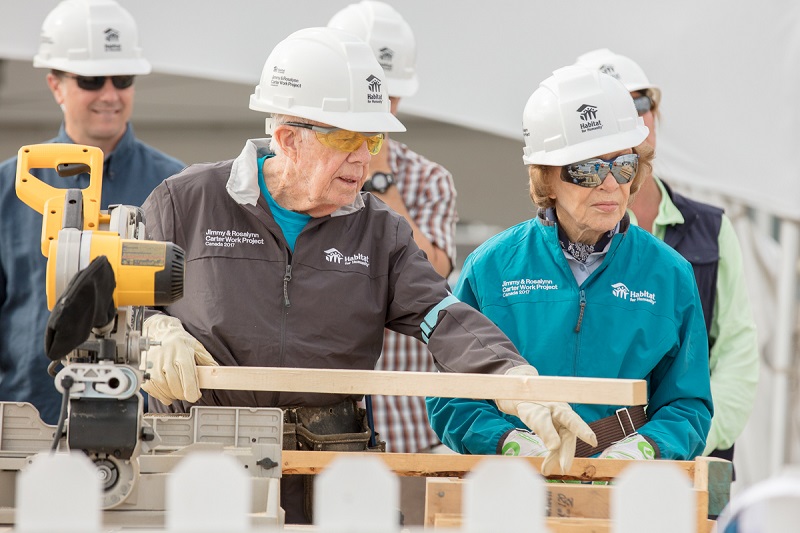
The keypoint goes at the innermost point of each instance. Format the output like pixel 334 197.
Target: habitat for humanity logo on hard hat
pixel 112 40
pixel 374 95
pixel 588 115
pixel 610 70
pixel 385 56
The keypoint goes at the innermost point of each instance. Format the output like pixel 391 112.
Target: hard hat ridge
pixel 90 38
pixel 579 113
pixel 620 67
pixel 389 36
pixel 329 76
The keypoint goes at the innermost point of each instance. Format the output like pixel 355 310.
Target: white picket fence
pixel 210 493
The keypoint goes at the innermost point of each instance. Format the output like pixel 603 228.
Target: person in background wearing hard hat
pixel 705 237
pixel 91 48
pixel 612 300
pixel 288 264
pixel 422 192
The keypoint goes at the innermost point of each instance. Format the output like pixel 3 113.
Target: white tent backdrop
pixel 729 71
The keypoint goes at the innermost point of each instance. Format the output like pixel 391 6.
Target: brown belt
pixel 612 429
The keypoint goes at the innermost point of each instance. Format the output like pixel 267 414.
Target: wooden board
pixel 445 384
pixel 554 525
pixel 584 508
pixel 454 465
pixel 562 525
pixel 564 500
pixel 572 508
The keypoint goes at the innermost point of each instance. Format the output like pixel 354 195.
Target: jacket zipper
pixel 583 308
pixel 286 279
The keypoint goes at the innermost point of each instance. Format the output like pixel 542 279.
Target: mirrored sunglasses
pixel 592 172
pixel 343 140
pixel 95 83
pixel 643 104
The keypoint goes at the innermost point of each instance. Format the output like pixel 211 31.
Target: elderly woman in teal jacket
pixel 582 292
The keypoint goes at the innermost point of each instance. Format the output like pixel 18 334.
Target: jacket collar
pixel 547 217
pixel 668 212
pixel 242 183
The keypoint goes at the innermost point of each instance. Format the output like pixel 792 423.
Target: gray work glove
pixel 173 365
pixel 556 424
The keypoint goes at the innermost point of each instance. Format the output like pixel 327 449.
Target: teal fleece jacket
pixel 638 316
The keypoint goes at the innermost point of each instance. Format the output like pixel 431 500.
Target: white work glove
pixel 524 444
pixel 632 447
pixel 173 365
pixel 555 423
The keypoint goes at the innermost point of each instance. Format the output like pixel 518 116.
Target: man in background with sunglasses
pixel 704 235
pixel 289 264
pixel 91 49
pixel 582 292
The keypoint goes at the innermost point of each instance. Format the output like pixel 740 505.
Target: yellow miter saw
pixel 100 274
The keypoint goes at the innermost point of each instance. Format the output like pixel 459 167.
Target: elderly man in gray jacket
pixel 288 264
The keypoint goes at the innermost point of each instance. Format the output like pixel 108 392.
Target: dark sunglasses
pixel 592 172
pixel 643 104
pixel 95 83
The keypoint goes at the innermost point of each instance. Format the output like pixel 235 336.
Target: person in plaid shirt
pixel 423 192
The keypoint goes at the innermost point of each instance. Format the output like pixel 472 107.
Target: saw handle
pixel 49 200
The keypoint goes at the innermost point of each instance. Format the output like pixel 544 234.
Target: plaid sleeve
pixel 429 194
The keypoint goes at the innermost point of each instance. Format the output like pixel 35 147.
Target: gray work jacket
pixel 252 302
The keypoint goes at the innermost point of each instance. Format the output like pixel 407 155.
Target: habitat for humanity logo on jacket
pixel 332 255
pixel 621 291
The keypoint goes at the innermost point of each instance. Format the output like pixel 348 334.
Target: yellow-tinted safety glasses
pixel 343 140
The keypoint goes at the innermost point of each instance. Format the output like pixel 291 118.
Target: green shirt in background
pixel 734 358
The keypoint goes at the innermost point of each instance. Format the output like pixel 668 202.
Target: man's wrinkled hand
pixel 555 423
pixel 172 365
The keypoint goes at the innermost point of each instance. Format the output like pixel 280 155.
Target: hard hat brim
pixel 377 121
pixel 117 67
pixel 402 88
pixel 587 149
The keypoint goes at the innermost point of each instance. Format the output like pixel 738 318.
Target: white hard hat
pixel 90 38
pixel 620 67
pixel 329 76
pixel 389 36
pixel 578 113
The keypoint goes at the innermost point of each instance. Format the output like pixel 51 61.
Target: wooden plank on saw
pixel 455 465
pixel 446 384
